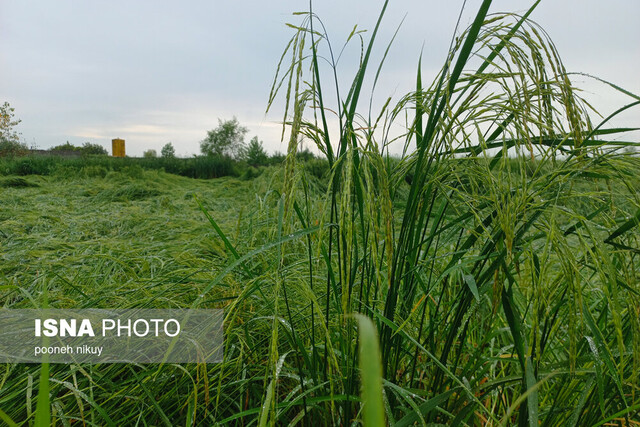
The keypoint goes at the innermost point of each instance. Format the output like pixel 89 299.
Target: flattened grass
pixel 94 243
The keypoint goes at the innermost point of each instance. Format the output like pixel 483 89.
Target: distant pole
pixel 117 147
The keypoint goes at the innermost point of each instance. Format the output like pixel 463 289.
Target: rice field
pixel 130 239
pixel 486 276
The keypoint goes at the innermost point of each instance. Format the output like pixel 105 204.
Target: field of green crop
pixel 489 275
pixel 138 238
pixel 107 241
pixel 133 238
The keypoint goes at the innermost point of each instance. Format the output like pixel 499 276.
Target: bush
pixel 89 148
pixel 317 167
pixel 305 155
pixel 64 147
pixel 203 167
pixel 32 166
pixel 277 158
pixel 208 167
pixel 12 148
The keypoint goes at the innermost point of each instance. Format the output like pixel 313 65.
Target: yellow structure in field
pixel 117 147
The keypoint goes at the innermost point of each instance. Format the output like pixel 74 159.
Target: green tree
pixel 10 139
pixel 255 154
pixel 7 123
pixel 225 140
pixel 168 151
pixel 150 154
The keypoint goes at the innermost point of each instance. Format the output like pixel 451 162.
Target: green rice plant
pixel 494 276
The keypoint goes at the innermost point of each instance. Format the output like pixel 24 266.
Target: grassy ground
pixel 114 236
pixel 138 238
pixel 129 239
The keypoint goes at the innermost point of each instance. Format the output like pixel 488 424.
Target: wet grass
pixel 128 239
pixel 96 243
pixel 89 233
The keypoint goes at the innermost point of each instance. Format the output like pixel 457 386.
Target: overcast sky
pixel 153 71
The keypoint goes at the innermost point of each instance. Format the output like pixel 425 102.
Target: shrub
pixel 305 155
pixel 64 147
pixel 277 158
pixel 12 148
pixel 317 167
pixel 94 149
pixel 203 167
pixel 87 148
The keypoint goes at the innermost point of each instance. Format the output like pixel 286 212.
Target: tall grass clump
pixel 497 257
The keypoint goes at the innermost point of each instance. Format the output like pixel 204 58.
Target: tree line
pixel 227 140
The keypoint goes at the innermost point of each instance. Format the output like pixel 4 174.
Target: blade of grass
pixel 371 373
